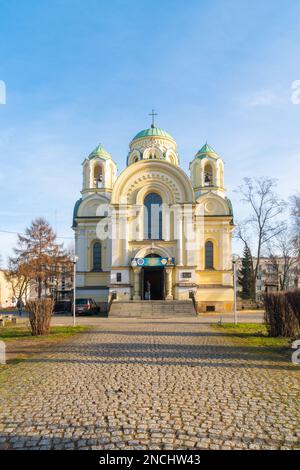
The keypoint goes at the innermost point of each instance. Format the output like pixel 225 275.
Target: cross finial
pixel 153 114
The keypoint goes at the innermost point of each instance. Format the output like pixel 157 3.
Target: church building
pixel 152 232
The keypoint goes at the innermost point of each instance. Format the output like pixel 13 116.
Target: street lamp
pixel 74 261
pixel 235 259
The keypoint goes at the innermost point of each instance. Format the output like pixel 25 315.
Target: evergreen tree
pixel 246 274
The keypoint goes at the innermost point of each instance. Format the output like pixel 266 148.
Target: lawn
pixel 20 344
pixel 255 337
pixel 9 333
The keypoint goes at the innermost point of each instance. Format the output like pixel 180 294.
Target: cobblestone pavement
pixel 137 384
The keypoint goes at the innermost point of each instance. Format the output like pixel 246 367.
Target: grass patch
pixel 255 337
pixel 12 333
pixel 20 344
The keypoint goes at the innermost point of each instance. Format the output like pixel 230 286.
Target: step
pixel 152 308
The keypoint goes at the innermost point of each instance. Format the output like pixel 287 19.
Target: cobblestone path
pixel 150 385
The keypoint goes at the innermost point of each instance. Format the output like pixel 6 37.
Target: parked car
pixel 63 306
pixel 86 307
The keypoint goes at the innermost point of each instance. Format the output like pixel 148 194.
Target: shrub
pixel 294 301
pixel 40 312
pixel 279 317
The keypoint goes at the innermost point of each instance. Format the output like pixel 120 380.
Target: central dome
pixel 153 144
pixel 153 132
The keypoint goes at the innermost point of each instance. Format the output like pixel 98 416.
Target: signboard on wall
pixel 152 262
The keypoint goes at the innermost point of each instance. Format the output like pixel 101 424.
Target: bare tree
pixel 284 257
pixel 262 225
pixel 38 256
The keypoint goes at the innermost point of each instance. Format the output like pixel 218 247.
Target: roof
pixel 206 150
pixel 153 131
pixel 100 151
pixel 75 211
pixel 229 203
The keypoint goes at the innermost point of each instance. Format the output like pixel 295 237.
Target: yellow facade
pixel 153 232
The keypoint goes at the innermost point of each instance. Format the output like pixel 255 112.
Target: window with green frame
pixel 97 261
pixel 153 217
pixel 209 255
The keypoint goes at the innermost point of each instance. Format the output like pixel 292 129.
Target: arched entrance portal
pixel 153 280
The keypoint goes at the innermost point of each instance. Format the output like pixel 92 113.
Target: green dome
pixel 153 132
pixel 206 150
pixel 100 151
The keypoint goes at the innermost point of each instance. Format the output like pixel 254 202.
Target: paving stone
pixel 136 384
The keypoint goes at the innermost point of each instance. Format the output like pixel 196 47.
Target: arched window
pixel 98 175
pixel 97 262
pixel 208 175
pixel 209 255
pixel 153 216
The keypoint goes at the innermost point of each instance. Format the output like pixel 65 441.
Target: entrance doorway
pixel 153 279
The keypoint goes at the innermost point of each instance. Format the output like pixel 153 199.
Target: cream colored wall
pixel 219 297
pixel 96 279
pixel 6 292
pixel 7 297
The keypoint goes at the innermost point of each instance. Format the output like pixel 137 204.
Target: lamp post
pixel 235 258
pixel 74 261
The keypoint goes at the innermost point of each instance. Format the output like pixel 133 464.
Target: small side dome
pixel 99 151
pixel 206 150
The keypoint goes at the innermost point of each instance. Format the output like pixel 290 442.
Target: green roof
pixel 153 132
pixel 75 211
pixel 205 150
pixel 229 203
pixel 99 151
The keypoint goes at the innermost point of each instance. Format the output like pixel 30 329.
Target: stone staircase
pixel 152 308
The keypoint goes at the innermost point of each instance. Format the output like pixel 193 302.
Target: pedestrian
pixel 20 306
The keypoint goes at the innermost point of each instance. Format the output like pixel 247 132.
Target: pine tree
pixel 246 274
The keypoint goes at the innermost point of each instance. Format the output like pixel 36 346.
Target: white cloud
pixel 267 97
pixel 263 98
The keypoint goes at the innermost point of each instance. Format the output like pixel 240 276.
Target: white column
pixel 136 284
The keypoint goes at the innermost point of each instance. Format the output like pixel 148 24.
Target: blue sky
pixel 79 73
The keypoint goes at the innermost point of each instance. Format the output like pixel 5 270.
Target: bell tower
pixel 99 171
pixel 207 171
